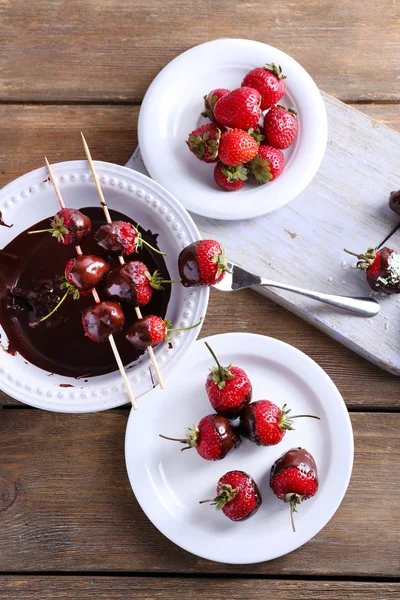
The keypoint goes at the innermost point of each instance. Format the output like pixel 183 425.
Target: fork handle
pixel 364 307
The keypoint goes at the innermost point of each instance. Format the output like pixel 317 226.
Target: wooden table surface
pixel 70 526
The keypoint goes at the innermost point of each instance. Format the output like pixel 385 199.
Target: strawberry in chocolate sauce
pixel 69 227
pixel 102 320
pixel 121 237
pixel 151 331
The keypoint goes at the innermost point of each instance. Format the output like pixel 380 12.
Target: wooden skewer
pixel 121 258
pixel 96 299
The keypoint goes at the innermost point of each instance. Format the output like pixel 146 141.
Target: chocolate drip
pixel 298 458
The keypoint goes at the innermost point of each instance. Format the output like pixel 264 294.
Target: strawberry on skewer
pixel 69 227
pixel 214 437
pixel 237 496
pixel 121 237
pixel 152 330
pixel 102 319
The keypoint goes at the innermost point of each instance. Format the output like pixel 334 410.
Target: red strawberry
pixel 382 269
pixel 264 423
pixel 237 147
pixel 121 237
pixel 294 478
pixel 228 388
pixel 151 331
pixel 257 132
pixel 133 283
pixel 69 227
pixel 280 126
pixel 267 165
pixel 101 320
pixel 213 438
pixel 204 142
pixel 210 101
pixel 394 201
pixel 85 272
pixel 268 82
pixel 202 263
pixel 237 496
pixel 240 109
pixel 230 178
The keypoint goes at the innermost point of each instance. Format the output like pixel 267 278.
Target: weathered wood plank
pixel 69 506
pixel 91 51
pixel 132 588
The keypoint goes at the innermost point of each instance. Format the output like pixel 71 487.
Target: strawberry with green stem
pixel 122 238
pixel 267 165
pixel 230 178
pixel 210 101
pixel 382 269
pixel 202 263
pixel 237 496
pixel 152 330
pixel 69 227
pixel 203 142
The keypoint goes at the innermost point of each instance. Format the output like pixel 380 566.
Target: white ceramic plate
pixel 171 110
pixel 168 483
pixel 30 199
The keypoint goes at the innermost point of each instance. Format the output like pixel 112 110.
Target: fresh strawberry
pixel 69 227
pixel 264 423
pixel 240 109
pixel 85 272
pixel 228 388
pixel 230 178
pixel 382 269
pixel 213 438
pixel 133 283
pixel 257 132
pixel 202 263
pixel 121 237
pixel 101 320
pixel 394 201
pixel 267 165
pixel 204 142
pixel 237 496
pixel 151 331
pixel 280 126
pixel 268 82
pixel 237 147
pixel 210 101
pixel 294 478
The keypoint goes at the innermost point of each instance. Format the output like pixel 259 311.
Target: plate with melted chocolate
pixel 50 363
pixel 296 482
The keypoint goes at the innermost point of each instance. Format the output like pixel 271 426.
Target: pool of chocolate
pixel 31 273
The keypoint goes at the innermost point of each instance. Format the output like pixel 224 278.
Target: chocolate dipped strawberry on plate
pixel 237 496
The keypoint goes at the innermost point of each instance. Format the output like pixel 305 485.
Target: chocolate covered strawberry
pixel 394 201
pixel 151 331
pixel 267 165
pixel 203 142
pixel 214 437
pixel 202 263
pixel 237 496
pixel 101 320
pixel 230 178
pixel 228 388
pixel 280 126
pixel 69 227
pixel 133 283
pixel 210 101
pixel 264 423
pixel 237 147
pixel 382 269
pixel 121 237
pixel 240 109
pixel 294 478
pixel 268 81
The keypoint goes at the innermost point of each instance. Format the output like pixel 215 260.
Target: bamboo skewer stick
pixel 120 257
pixel 96 298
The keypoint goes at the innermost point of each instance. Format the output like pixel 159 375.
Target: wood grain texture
pixel 74 509
pixel 132 588
pixel 111 132
pixel 89 50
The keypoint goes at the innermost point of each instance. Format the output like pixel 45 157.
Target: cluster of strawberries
pixel 293 477
pixel 236 139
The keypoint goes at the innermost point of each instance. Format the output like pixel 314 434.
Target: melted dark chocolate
pixel 394 201
pixel 298 458
pixel 31 271
pixel 188 268
pixel 247 425
pixel 227 433
pixel 87 271
pixel 2 222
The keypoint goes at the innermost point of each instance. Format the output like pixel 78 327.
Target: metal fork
pixel 239 279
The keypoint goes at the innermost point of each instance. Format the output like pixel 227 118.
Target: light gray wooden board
pixel 346 205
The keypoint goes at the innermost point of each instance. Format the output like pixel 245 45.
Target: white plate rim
pixel 18 191
pixel 346 448
pixel 147 133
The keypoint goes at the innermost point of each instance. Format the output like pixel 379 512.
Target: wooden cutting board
pixel 346 205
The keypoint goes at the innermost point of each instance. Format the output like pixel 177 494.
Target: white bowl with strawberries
pixel 233 115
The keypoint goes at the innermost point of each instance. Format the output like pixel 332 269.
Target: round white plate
pixel 171 110
pixel 30 199
pixel 168 483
